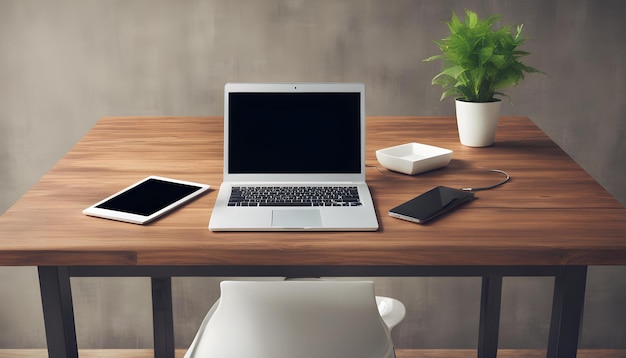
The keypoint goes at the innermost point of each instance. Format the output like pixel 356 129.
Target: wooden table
pixel 552 219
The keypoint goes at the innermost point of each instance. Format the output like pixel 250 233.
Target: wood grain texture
pixel 551 213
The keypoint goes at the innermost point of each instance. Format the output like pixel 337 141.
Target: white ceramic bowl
pixel 413 158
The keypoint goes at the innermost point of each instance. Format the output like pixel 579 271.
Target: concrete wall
pixel 66 63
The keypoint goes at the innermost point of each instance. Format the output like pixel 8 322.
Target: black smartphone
pixel 431 204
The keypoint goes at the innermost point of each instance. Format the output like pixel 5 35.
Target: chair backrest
pixel 287 319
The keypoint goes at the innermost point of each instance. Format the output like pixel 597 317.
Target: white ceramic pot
pixel 477 122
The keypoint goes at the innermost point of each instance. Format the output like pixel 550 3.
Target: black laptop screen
pixel 294 133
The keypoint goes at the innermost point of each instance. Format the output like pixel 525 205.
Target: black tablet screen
pixel 148 197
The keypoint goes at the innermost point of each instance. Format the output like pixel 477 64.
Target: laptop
pixel 294 159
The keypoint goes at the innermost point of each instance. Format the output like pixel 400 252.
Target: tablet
pixel 146 200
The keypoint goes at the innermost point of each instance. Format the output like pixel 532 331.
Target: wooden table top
pixel 551 212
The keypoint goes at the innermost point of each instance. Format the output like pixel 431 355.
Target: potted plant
pixel 478 62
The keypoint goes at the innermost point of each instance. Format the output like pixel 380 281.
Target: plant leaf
pixel 432 58
pixel 484 55
pixel 479 60
pixel 471 19
pixel 449 92
pixel 454 72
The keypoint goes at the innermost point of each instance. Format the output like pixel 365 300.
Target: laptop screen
pixel 298 133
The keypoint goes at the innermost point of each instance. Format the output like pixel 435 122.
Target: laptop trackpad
pixel 302 218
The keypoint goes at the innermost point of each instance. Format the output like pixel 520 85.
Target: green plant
pixel 479 60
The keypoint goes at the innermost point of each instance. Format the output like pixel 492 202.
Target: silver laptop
pixel 294 159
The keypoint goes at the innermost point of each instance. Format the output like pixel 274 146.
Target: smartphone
pixel 431 204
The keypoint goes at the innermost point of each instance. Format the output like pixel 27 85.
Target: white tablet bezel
pixel 93 210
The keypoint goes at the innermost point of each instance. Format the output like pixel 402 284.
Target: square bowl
pixel 413 158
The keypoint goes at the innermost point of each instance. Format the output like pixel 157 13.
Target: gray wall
pixel 66 63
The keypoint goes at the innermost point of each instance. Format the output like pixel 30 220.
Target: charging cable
pixel 506 179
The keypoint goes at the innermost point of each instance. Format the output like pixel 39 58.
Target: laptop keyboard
pixel 295 196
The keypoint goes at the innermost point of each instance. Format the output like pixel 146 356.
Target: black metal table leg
pixel 568 301
pixel 163 317
pixel 567 310
pixel 58 312
pixel 491 297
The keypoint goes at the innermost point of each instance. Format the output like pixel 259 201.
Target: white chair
pixel 298 319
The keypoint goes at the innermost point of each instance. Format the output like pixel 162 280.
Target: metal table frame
pixel 565 324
